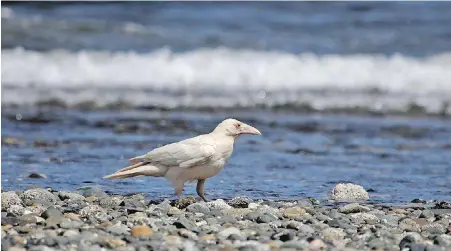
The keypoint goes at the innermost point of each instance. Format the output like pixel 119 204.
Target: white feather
pixel 196 158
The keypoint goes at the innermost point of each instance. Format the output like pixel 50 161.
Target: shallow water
pixel 298 155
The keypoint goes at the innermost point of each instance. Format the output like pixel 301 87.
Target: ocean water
pixel 399 159
pixel 376 56
pixel 85 86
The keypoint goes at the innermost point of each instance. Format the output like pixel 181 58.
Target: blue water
pixel 166 71
pixel 410 28
pixel 297 156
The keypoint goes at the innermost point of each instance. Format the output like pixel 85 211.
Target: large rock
pixel 349 192
pixel 39 194
pixel 10 198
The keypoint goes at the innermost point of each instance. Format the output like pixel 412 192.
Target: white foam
pixel 225 77
pixel 7 13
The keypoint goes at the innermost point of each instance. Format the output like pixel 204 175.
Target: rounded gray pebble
pixel 240 202
pixel 39 194
pixel 10 198
pixel 198 208
pixel 94 191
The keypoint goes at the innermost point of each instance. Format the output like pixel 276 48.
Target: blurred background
pixel 355 91
pixel 378 56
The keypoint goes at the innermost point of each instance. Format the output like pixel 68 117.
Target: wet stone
pixel 240 202
pixel 51 212
pixel 184 202
pixel 94 192
pixel 36 176
pixel 39 195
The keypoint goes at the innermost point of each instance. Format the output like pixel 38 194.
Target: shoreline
pixel 412 111
pixel 40 219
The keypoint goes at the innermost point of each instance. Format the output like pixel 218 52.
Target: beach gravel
pixel 70 221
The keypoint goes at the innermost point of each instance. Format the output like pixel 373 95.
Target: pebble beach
pixel 90 219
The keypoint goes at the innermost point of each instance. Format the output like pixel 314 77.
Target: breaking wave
pixel 224 77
